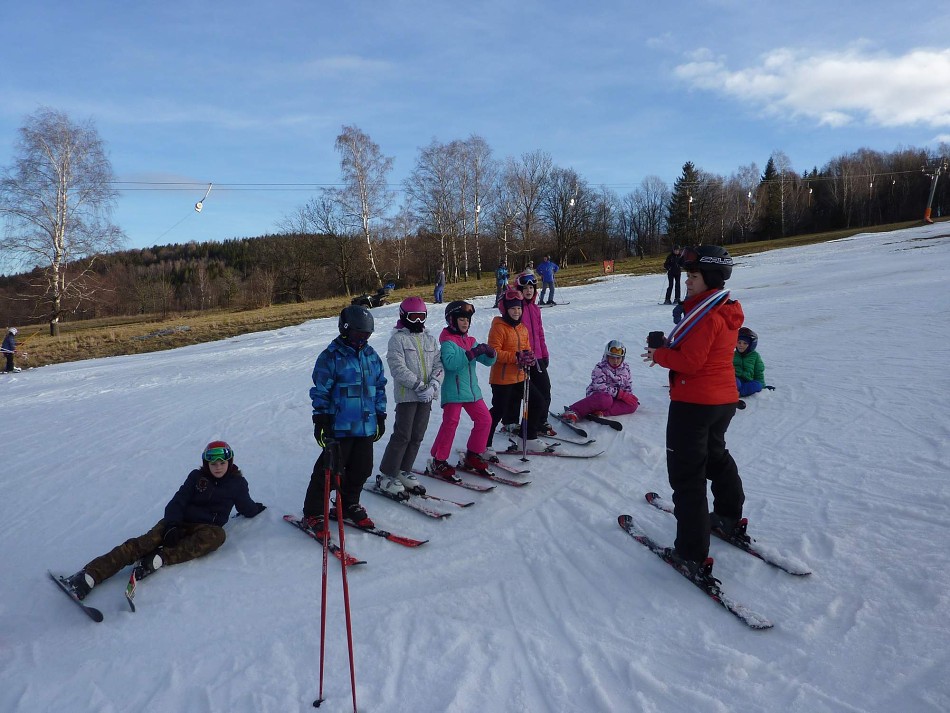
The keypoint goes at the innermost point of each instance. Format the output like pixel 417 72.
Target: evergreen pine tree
pixel 680 226
pixel 770 200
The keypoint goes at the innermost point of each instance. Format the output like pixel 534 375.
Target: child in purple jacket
pixel 609 392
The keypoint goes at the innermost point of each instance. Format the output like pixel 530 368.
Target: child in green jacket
pixel 750 369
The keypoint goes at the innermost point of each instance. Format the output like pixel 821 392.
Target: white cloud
pixel 836 88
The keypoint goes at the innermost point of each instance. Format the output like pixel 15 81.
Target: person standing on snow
pixel 193 524
pixel 703 398
pixel 527 284
pixel 460 390
pixel 673 271
pixel 9 349
pixel 509 338
pixel 546 270
pixel 439 285
pixel 501 279
pixel 349 407
pixel 415 366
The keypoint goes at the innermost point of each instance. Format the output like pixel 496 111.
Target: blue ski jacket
pixel 349 385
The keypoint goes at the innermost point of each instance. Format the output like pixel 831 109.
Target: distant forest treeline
pixel 529 209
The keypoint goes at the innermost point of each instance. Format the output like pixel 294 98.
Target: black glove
pixel 543 363
pixel 322 428
pixel 172 535
pixel 380 426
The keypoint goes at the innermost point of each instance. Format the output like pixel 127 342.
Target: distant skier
pixel 673 271
pixel 191 527
pixel 439 285
pixel 610 392
pixel 9 349
pixel 349 406
pixel 546 271
pixel 415 366
pixel 501 279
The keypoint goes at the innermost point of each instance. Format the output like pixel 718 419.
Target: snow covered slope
pixel 533 599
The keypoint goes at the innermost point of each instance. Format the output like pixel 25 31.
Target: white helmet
pixel 13 330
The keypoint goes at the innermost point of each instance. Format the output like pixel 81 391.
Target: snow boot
pixel 474 461
pixel 411 483
pixel 355 514
pixel 392 486
pixel 317 524
pixel 81 583
pixel 147 565
pixel 442 469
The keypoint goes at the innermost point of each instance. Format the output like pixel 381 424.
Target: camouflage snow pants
pixel 197 540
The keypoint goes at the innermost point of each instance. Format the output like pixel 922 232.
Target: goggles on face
pixel 217 455
pixel 616 352
pixel 415 317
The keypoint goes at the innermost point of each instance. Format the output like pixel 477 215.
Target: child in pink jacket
pixel 609 392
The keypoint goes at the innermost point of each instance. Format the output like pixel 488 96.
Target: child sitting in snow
pixel 192 525
pixel 609 392
pixel 750 369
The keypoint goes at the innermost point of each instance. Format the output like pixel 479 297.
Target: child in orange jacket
pixel 511 342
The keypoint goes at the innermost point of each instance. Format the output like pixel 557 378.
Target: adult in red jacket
pixel 703 398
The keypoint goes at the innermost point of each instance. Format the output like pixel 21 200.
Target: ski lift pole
pixel 933 188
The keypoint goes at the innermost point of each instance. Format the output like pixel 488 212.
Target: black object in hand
pixel 655 340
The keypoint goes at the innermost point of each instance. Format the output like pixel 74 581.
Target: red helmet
pixel 217 451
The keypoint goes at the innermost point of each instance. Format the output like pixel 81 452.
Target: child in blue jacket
pixel 349 407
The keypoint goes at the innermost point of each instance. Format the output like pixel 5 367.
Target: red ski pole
pixel 327 474
pixel 346 588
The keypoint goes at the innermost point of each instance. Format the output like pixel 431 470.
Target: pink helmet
pixel 510 298
pixel 412 314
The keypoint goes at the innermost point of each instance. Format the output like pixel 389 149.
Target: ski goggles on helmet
pixel 217 454
pixel 615 350
pixel 528 279
pixel 415 317
pixel 689 257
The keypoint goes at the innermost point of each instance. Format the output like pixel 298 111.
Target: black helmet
pixel 710 260
pixel 357 318
pixel 749 337
pixel 456 309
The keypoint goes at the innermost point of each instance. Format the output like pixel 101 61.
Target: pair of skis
pixel 709 585
pixel 417 501
pixel 609 422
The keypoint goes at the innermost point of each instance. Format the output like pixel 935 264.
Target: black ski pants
pixel 506 398
pixel 696 452
pixel 673 280
pixel 355 468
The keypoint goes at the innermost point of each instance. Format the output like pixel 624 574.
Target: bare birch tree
pixel 365 195
pixel 57 200
pixel 525 181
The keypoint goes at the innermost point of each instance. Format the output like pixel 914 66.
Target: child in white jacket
pixel 415 366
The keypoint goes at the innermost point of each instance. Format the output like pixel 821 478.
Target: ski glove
pixel 525 359
pixel 628 398
pixel 322 428
pixel 484 349
pixel 427 394
pixel 470 354
pixel 380 426
pixel 172 536
pixel 543 363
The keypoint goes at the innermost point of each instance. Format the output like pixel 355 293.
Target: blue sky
pixel 256 93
